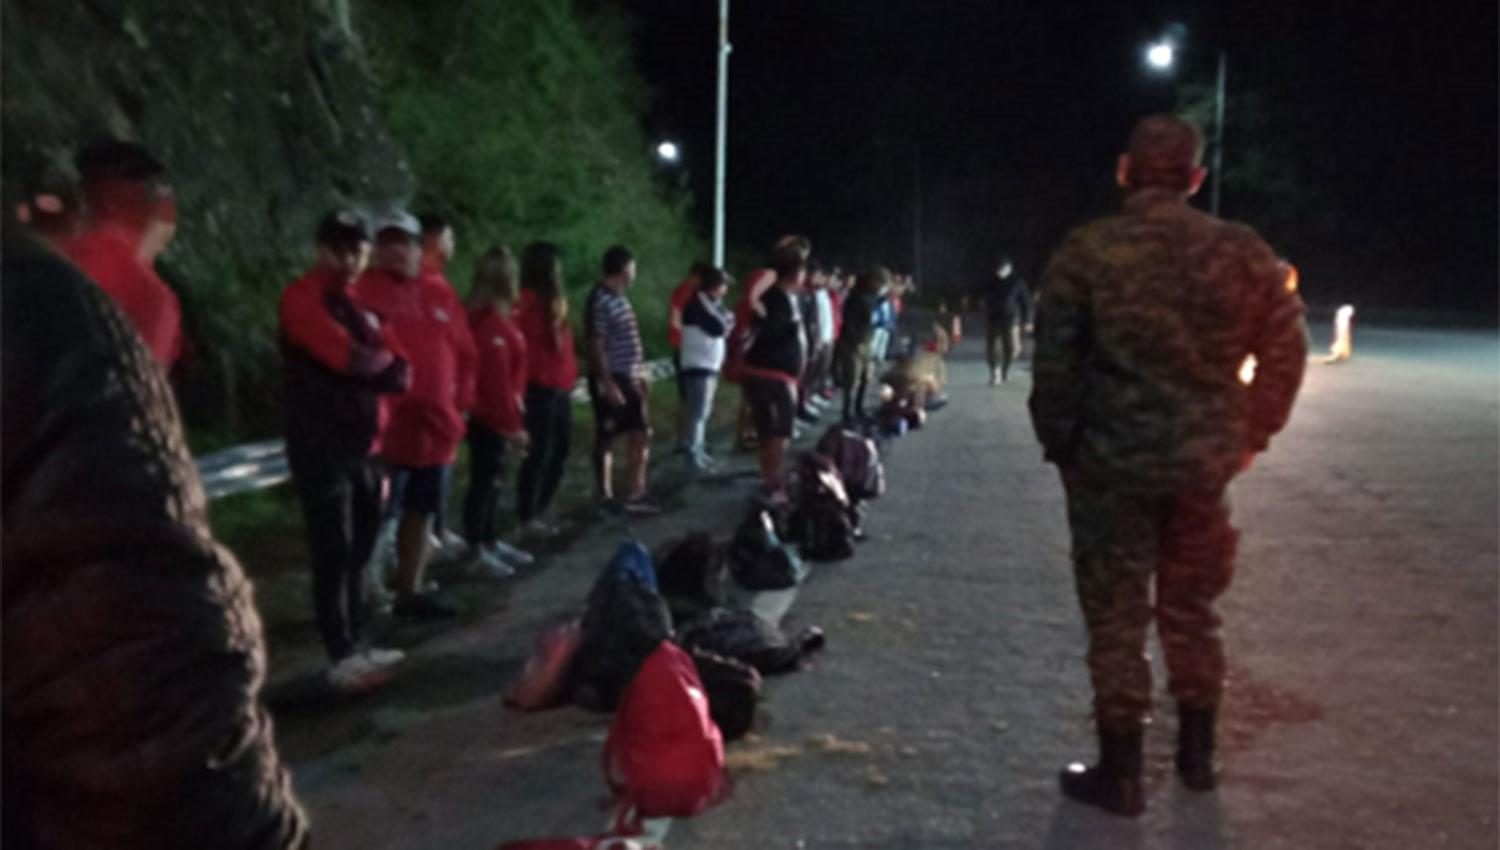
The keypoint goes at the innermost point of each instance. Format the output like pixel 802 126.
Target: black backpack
pixel 745 636
pixel 690 575
pixel 759 560
pixel 733 689
pixel 857 459
pixel 823 522
pixel 625 620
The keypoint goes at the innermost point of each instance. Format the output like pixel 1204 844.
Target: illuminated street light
pixel 668 152
pixel 1160 55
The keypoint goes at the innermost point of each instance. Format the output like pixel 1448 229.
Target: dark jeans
pixel 395 497
pixel 486 465
pixel 549 422
pixel 340 493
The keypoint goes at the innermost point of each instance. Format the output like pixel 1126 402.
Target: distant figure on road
pixel 855 350
pixel 1007 313
pixel 617 384
pixel 337 360
pixel 1144 321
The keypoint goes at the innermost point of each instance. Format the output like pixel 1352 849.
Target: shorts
pixel 611 420
pixel 422 491
pixel 773 404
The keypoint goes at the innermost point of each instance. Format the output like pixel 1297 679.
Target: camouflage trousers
pixel 1125 545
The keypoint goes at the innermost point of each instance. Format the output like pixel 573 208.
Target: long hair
pixel 541 272
pixel 495 275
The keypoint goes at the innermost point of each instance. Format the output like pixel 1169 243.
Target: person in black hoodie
pixel 337 360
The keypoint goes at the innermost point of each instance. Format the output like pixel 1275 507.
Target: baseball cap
pixel 398 220
pixel 341 227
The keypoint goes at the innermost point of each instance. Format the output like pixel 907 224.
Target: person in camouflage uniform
pixel 1143 323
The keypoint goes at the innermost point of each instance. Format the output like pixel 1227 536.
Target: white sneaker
pixel 489 564
pixel 372 588
pixel 538 527
pixel 357 673
pixel 516 557
pixel 384 657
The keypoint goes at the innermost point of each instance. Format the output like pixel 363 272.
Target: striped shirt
pixel 611 320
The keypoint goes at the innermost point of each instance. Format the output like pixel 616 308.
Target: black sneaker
pixel 642 506
pixel 415 606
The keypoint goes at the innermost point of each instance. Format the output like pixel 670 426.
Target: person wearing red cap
pixel 425 424
pixel 1144 321
pixel 338 360
pixel 497 417
pixel 130 216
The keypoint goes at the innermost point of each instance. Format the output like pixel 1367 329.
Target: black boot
pixel 1195 746
pixel 1114 784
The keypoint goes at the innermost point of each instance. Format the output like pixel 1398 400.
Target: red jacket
pixel 425 423
pixel 550 359
pixel 501 380
pixel 338 358
pixel 109 257
pixel 679 301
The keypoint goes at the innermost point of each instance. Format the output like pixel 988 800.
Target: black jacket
pixel 133 653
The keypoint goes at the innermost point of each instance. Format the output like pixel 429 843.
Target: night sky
pixel 1378 119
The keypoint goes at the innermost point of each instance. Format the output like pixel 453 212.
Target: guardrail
pixel 256 466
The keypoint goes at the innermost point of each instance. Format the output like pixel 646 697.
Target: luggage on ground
pixel 857 459
pixel 624 622
pixel 760 560
pixel 744 636
pixel 822 523
pixel 733 689
pixel 544 679
pixel 690 575
pixel 664 756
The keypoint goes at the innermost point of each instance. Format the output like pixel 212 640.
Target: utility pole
pixel 721 137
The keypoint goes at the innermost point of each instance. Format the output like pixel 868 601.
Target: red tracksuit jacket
pixel 108 256
pixel 550 359
pixel 501 380
pixel 425 424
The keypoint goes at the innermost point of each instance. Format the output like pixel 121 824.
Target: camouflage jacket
pixel 1144 322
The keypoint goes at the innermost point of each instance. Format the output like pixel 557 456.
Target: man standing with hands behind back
pixel 1144 320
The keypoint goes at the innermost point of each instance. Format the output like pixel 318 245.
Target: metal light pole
pixel 1162 56
pixel 721 138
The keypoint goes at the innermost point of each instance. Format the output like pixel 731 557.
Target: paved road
pixel 1362 704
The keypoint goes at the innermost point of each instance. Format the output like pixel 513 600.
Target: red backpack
pixel 664 756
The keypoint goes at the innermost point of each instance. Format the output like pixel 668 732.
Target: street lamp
pixel 1161 56
pixel 668 152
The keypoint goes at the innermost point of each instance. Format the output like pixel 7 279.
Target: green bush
pixel 522 122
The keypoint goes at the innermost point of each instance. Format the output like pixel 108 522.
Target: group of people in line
pixel 387 371
pixel 112 577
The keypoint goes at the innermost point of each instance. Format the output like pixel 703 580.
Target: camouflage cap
pixel 1164 150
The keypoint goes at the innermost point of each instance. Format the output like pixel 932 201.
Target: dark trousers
pixel 340 493
pixel 1002 344
pixel 486 466
pixel 549 422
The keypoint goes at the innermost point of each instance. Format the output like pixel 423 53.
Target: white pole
pixel 721 137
